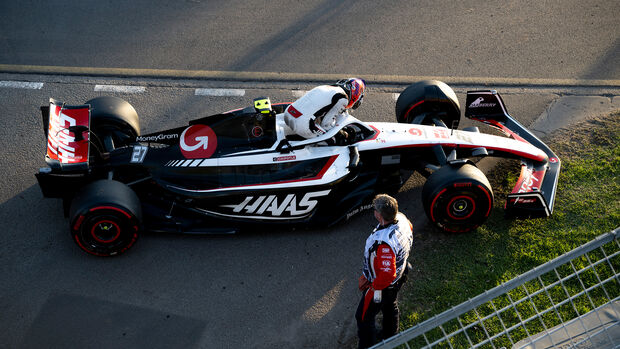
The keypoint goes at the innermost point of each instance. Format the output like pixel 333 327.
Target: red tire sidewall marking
pixel 410 109
pixel 489 200
pixel 433 204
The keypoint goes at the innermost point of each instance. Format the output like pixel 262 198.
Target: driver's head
pixel 354 87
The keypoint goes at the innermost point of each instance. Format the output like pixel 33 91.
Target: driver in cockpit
pixel 323 107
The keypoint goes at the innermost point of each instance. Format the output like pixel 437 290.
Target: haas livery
pixel 68 135
pixel 276 207
pixel 256 167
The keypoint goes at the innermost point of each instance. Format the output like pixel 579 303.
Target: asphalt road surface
pixel 262 289
pixel 518 39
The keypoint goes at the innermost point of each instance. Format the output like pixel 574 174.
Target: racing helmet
pixel 354 87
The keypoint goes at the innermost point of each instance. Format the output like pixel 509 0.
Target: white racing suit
pixel 399 237
pixel 317 111
pixel 385 271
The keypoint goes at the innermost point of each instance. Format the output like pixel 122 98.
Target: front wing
pixel 534 192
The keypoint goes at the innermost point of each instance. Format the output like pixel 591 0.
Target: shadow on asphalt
pixel 70 321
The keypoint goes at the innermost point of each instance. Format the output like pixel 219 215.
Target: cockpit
pixel 251 130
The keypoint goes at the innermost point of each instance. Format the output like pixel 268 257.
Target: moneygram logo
pixel 158 138
pixel 198 142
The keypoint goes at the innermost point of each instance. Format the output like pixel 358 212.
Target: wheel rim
pixel 460 211
pixel 105 231
pixel 461 207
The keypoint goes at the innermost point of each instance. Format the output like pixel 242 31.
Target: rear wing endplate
pixel 534 192
pixel 68 135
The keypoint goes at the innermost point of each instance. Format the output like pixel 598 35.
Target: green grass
pixel 449 269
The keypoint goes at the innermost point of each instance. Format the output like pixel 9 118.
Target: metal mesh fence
pixel 572 301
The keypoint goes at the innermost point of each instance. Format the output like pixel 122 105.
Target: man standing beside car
pixel 384 270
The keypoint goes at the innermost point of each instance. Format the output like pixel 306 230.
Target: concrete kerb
pixel 566 111
pixel 242 76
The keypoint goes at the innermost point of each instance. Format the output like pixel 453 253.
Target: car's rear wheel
pixel 105 218
pixel 457 198
pixel 428 102
pixel 114 123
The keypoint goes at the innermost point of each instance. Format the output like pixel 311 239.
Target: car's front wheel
pixel 428 102
pixel 457 198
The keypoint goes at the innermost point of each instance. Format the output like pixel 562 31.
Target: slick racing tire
pixel 105 218
pixel 428 102
pixel 114 122
pixel 457 198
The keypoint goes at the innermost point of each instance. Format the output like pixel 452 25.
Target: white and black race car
pixel 237 169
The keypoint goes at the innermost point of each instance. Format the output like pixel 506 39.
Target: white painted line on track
pixel 395 96
pixel 121 89
pixel 219 92
pixel 22 84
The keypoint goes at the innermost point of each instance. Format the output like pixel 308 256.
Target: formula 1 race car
pixel 241 168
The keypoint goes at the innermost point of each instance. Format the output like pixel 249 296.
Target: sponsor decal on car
pixel 463 185
pixel 465 137
pixel 478 103
pixel 285 158
pixel 294 112
pixel 358 210
pixel 139 152
pixel 198 142
pixel 441 133
pixel 529 181
pixel 526 201
pixel 61 143
pixel 415 131
pixel 257 131
pixel 532 200
pixel 157 138
pixel 277 206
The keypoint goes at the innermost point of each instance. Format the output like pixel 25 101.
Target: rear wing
pixel 534 192
pixel 68 135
